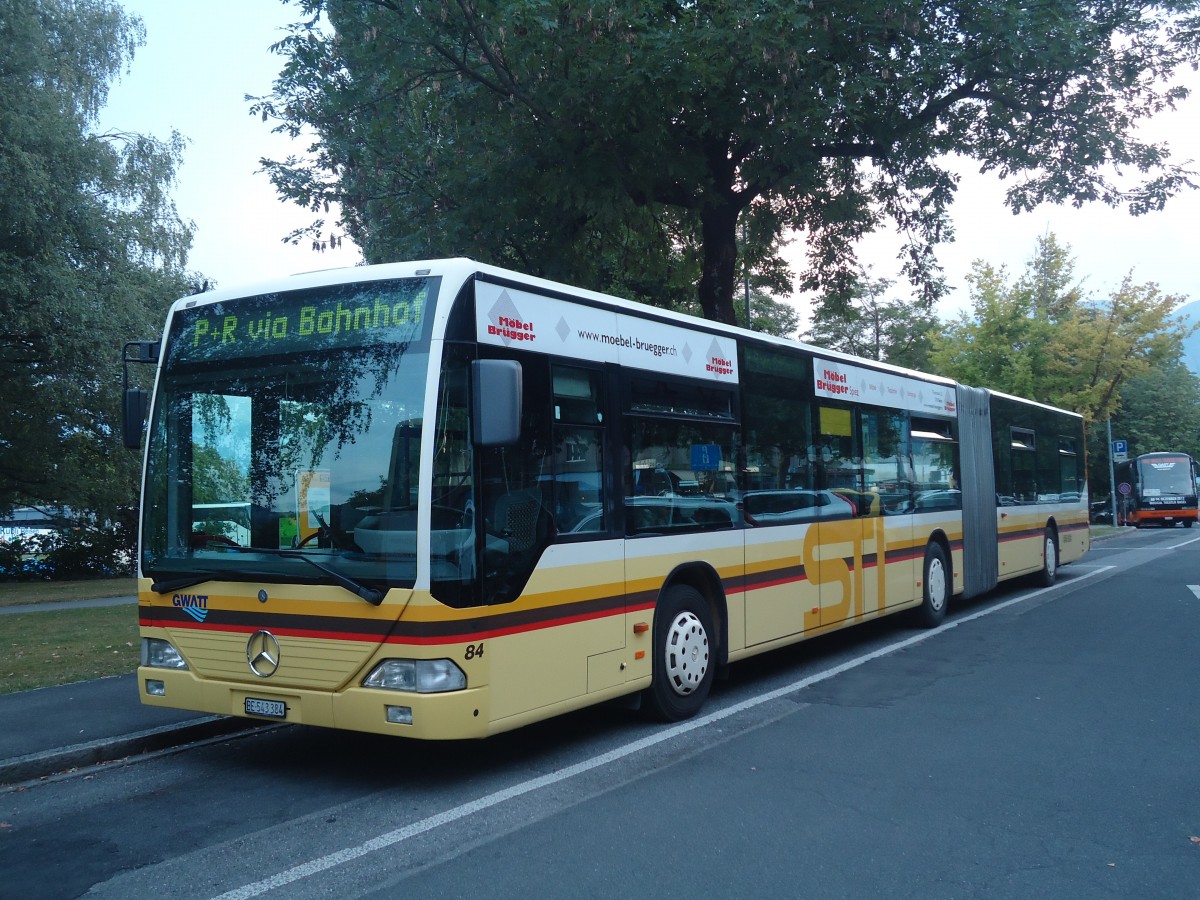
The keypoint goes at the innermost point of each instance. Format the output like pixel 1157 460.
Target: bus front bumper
pixel 445 716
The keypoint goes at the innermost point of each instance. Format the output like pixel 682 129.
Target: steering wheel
pixel 451 513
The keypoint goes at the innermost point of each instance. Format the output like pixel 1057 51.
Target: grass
pixel 61 646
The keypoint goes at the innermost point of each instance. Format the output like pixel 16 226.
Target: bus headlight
pixel 421 676
pixel 159 654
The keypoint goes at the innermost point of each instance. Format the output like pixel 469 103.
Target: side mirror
pixel 496 401
pixel 133 419
pixel 136 402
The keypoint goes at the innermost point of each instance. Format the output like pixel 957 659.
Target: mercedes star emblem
pixel 262 652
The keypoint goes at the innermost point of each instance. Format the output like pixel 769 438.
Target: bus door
pixel 552 570
pixel 835 551
pixel 864 468
pixel 892 545
pixel 780 503
pixel 681 499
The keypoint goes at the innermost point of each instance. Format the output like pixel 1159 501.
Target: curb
pixel 50 762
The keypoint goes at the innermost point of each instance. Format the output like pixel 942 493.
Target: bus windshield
pixel 284 425
pixel 1164 476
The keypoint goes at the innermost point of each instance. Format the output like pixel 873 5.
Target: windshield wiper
pixel 371 595
pixel 170 585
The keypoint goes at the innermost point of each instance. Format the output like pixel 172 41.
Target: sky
pixel 201 58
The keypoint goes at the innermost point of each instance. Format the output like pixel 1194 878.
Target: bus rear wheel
pixel 683 655
pixel 936 590
pixel 1049 571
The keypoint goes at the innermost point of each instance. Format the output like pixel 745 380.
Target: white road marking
pixel 399 835
pixel 1195 589
pixel 1119 549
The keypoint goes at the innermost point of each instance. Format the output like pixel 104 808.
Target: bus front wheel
pixel 683 655
pixel 936 590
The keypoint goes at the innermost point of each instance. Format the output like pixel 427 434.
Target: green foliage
pixel 866 325
pixel 91 252
pixel 1159 411
pixel 771 316
pixel 767 314
pixel 622 145
pixel 1041 338
pixel 84 551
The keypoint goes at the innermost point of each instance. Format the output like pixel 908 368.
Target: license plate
pixel 271 709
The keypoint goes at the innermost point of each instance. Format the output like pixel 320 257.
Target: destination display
pixel 513 318
pixel 302 321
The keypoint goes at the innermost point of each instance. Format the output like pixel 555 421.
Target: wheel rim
pixel 1051 556
pixel 687 653
pixel 935 583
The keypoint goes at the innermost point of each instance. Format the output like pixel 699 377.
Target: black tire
pixel 684 656
pixel 1049 572
pixel 936 587
pixel 1188 523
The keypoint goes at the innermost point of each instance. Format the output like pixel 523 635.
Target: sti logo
pixel 195 605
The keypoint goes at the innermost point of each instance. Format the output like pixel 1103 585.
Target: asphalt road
pixel 1041 743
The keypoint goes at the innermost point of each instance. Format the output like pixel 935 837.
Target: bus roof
pixel 1028 402
pixel 457 271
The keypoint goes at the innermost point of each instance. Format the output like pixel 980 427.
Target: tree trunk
pixel 719 265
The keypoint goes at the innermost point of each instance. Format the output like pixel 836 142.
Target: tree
pixel 768 315
pixel 1159 411
pixel 1005 342
pixel 892 331
pixel 589 141
pixel 1111 341
pixel 1042 338
pixel 91 252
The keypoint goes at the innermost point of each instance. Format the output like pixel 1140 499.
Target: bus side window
pixel 778 466
pixel 887 463
pixel 516 492
pixel 681 460
pixel 935 458
pixel 578 448
pixel 1070 471
pixel 839 465
pixel 1023 457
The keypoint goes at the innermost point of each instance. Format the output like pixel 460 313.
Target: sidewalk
pixel 51 730
pixel 54 729
pixel 66 604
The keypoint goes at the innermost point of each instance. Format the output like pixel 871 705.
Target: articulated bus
pixel 1157 489
pixel 443 500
